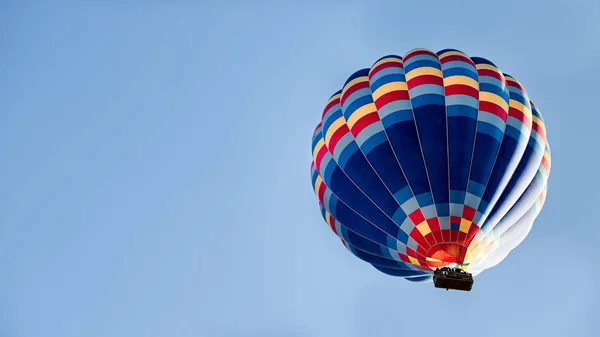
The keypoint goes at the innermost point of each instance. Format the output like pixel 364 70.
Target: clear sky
pixel 155 169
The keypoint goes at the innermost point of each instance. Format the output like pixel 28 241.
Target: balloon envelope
pixel 430 160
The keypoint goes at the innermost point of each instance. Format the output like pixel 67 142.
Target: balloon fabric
pixel 430 160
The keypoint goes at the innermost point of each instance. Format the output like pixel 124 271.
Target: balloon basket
pixel 452 278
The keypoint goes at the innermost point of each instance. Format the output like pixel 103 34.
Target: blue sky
pixel 155 169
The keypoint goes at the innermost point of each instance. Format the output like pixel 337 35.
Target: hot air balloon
pixel 431 166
